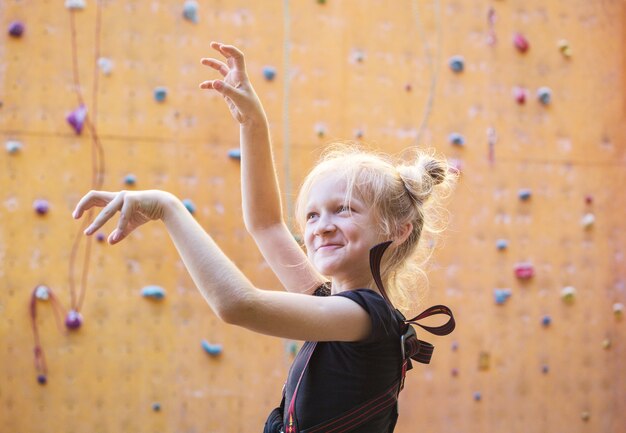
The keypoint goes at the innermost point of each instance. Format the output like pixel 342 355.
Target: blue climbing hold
pixel 546 320
pixel 189 205
pixel 456 139
pixel 457 64
pixel 502 244
pixel 524 194
pixel 190 11
pixel 545 369
pixel 544 94
pixel 13 146
pixel 160 93
pixel 130 179
pixel 154 292
pixel 211 349
pixel 234 154
pixel 156 407
pixel 269 73
pixel 501 295
pixel 477 396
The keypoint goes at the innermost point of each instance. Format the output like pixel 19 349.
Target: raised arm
pixel 262 208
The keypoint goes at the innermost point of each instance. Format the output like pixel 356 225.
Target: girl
pixel 352 207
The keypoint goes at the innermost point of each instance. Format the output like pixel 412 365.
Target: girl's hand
pixel 236 89
pixel 136 208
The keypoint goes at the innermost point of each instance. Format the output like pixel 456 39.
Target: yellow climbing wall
pixel 344 68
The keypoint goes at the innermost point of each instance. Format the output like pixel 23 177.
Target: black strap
pixel 290 420
pixel 412 347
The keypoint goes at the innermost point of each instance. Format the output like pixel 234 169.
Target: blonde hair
pixel 398 193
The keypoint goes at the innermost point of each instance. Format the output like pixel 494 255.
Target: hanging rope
pixel 433 66
pixel 286 119
pixel 98 168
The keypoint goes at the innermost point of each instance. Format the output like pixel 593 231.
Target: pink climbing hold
pixel 77 119
pixel 520 95
pixel 521 43
pixel 524 271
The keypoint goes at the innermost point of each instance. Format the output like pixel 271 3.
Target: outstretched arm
pixel 262 208
pixel 226 289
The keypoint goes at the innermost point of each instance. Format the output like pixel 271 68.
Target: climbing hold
pixel 358 133
pixel 477 396
pixel 455 372
pixel 524 271
pixel 100 237
pixel 41 206
pixel 568 293
pixel 189 205
pixel 105 65
pixel 13 146
pixel 544 94
pixel 75 4
pixel 130 179
pixel 456 139
pixel 234 154
pixel 545 369
pixel 154 292
pixel 524 194
pixel 42 292
pixel 565 48
pixel 160 93
pixel 320 129
pixel 408 87
pixel 156 407
pixel 73 320
pixel 41 378
pixel 588 220
pixel 589 199
pixel 269 73
pixel 358 55
pixel 455 346
pixel 502 244
pixel 585 416
pixel 483 361
pixel 520 95
pixel 618 310
pixel 520 42
pixel 546 320
pixel 455 165
pixel 501 295
pixel 292 348
pixel 211 349
pixel 457 64
pixel 77 119
pixel 16 29
pixel 321 2
pixel 190 11
pixel 606 343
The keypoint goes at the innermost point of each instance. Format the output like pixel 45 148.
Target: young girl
pixel 352 207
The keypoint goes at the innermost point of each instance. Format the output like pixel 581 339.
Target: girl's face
pixel 338 236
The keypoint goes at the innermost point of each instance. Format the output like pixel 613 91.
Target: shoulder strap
pixel 290 421
pixel 420 351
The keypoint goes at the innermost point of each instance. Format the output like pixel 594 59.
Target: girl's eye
pixel 344 209
pixel 310 215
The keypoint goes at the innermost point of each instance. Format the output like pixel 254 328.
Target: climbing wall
pixel 527 98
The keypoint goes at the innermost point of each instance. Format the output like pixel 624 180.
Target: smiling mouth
pixel 328 247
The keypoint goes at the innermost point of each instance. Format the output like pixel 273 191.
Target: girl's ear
pixel 405 231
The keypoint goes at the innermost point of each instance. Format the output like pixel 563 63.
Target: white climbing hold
pixel 75 4
pixel 105 65
pixel 42 293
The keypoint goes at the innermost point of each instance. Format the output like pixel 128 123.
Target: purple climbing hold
pixel 73 320
pixel 77 119
pixel 41 206
pixel 16 29
pixel 100 237
pixel 41 378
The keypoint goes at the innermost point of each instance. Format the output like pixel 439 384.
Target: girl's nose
pixel 324 225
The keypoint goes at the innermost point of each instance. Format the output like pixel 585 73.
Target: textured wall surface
pixel 377 71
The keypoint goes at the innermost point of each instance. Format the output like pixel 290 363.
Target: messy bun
pixel 398 193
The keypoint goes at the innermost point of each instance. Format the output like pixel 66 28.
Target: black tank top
pixel 340 375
